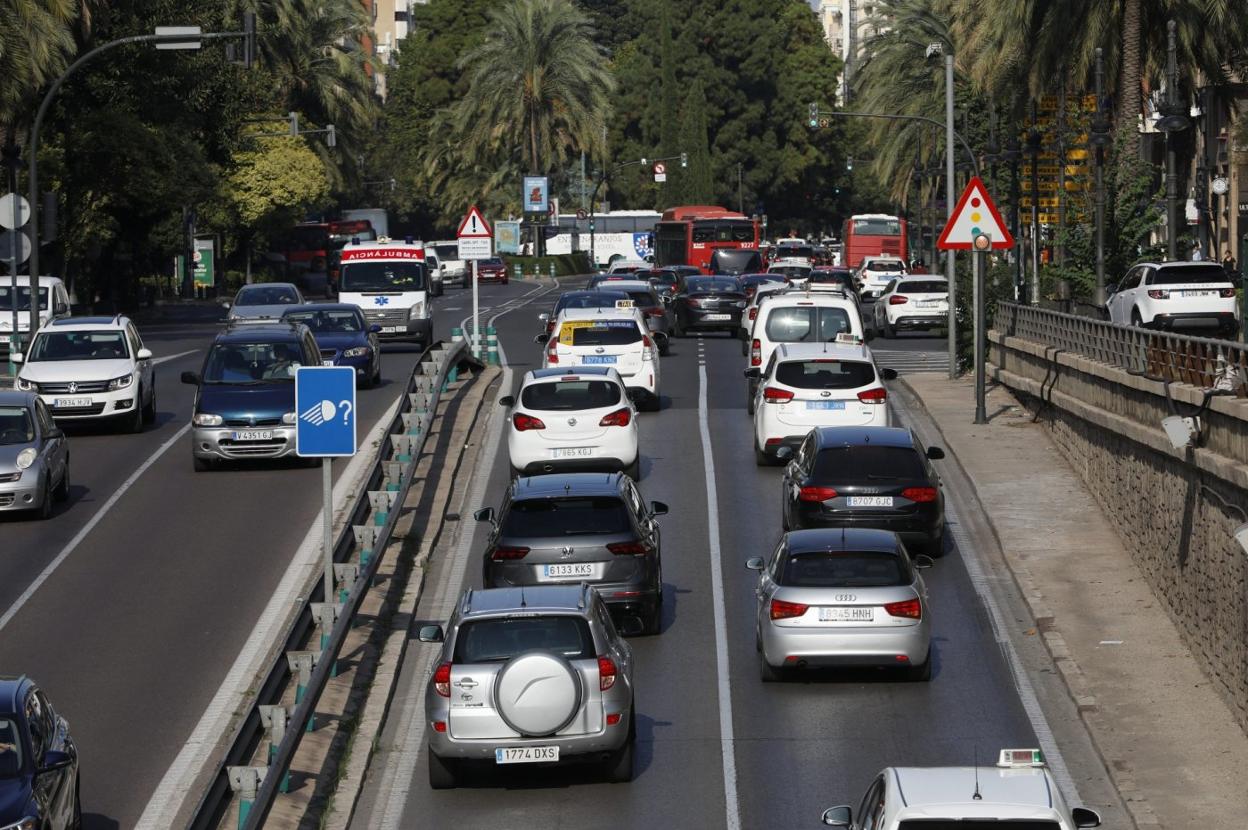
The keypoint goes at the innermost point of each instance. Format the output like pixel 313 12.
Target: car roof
pixel 561 484
pixel 841 538
pixel 258 285
pixel 598 313
pixel 260 332
pixel 862 436
pixel 11 397
pixel 624 285
pixel 530 598
pixel 802 295
pixel 928 786
pixel 78 323
pixel 578 371
pixel 323 307
pixel 830 351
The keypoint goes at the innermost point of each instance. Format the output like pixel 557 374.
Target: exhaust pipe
pixel 548 468
pixel 801 664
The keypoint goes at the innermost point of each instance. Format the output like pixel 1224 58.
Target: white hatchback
pixel 809 385
pixel 615 337
pixel 577 419
pixel 876 272
pixel 908 303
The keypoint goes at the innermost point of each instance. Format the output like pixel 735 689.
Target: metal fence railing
pixel 1158 355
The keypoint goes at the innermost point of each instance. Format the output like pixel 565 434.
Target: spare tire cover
pixel 537 693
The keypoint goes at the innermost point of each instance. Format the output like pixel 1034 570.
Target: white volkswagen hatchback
pixel 91 368
pixel 615 337
pixel 577 419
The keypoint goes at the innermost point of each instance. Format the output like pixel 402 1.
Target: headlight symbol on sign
pixel 325 411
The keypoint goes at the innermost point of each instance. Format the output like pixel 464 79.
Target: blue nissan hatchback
pixel 38 761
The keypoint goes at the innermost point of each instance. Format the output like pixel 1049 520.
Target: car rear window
pixel 589 299
pixel 796 272
pixel 568 516
pixel 841 277
pixel 496 640
pixel 886 265
pixel 806 324
pixel 924 286
pixel 1189 274
pixel 825 374
pixel 863 463
pixel 700 285
pixel 643 299
pixel 845 569
pixel 565 395
pixel 600 333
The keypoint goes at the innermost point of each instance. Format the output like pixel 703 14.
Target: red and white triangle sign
pixel 975 214
pixel 474 226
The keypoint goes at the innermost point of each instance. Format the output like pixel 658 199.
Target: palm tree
pixel 36 42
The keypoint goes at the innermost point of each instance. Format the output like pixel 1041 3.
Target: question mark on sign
pixel 347 405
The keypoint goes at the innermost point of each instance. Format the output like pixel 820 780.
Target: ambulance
pixel 389 280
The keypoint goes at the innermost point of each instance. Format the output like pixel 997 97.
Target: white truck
pixel 389 280
pixel 453 268
pixel 377 217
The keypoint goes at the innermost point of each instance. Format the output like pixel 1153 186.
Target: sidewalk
pixel 1163 732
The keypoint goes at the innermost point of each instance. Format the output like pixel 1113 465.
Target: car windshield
pixel 566 395
pixel 798 272
pixel 595 333
pixel 496 640
pixel 252 363
pixel 589 299
pixel 383 275
pixel 845 569
pixel 23 298
pixel 866 463
pixel 568 516
pixel 267 295
pixel 923 287
pixel 1184 275
pixel 825 374
pixel 16 427
pixel 699 285
pixel 10 749
pixel 78 345
pixel 446 252
pixel 327 322
pixel 495 261
pixel 806 324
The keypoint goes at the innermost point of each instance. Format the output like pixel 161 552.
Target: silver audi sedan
pixel 833 597
pixel 34 455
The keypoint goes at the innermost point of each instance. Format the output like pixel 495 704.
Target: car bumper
pixel 698 319
pixel 23 494
pixel 770 427
pixel 219 443
pixel 595 746
pixel 1223 320
pixel 416 330
pixel 497 276
pixel 867 646
pixel 103 404
pixel 915 528
pixel 361 365
pixel 921 321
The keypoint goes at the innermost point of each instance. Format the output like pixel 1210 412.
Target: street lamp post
pixel 950 272
pixel 1172 121
pixel 1100 138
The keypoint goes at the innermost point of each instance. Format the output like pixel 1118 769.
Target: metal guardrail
pixel 1157 355
pixel 357 552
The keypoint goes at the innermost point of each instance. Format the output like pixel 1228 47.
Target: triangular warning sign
pixel 474 226
pixel 975 214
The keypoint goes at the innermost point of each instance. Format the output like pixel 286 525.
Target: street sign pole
pixel 950 266
pixel 327 523
pixel 983 244
pixel 476 313
pixel 476 241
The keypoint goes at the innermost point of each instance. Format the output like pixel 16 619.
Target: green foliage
pixel 36 42
pixel 273 186
pixel 699 189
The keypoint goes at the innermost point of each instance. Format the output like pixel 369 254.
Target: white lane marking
pixel 257 653
pixel 156 361
pixel 69 548
pixel 732 810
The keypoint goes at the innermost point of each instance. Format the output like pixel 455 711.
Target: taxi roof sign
pixel 975 214
pixel 623 303
pixel 848 338
pixel 1015 758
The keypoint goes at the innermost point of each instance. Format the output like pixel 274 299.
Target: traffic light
pixel 684 159
pixel 591 225
pixel 814 115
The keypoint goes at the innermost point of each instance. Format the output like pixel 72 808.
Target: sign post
pixel 476 241
pixel 660 172
pixel 325 428
pixel 16 245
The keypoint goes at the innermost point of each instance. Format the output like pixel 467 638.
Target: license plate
pixel 253 435
pixel 390 329
pixel 847 614
pixel 572 452
pixel 525 754
pixel 825 404
pixel 929 304
pixel 1197 293
pixel 327 363
pixel 598 358
pixel 870 501
pixel 584 569
pixel 716 316
pixel 71 403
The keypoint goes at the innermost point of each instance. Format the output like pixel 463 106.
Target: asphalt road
pixel 796 747
pixel 131 632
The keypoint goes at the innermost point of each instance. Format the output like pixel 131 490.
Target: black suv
pixel 579 527
pixel 38 761
pixel 865 477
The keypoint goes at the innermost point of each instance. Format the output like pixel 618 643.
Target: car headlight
pixel 288 418
pixel 358 351
pixel 416 311
pixel 741 305
pixel 26 457
pixel 24 385
pixel 207 419
pixel 121 382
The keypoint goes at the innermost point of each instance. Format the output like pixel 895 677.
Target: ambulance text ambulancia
pixel 389 281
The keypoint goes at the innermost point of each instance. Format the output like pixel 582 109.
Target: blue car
pixel 38 761
pixel 344 337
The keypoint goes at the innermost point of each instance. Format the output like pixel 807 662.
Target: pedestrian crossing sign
pixel 975 214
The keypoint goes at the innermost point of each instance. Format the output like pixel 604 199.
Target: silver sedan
pixel 34 455
pixel 832 598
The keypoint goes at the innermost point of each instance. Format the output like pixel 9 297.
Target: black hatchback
pixel 708 303
pixel 865 477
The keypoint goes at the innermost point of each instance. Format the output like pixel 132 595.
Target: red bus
pixel 872 234
pixel 690 234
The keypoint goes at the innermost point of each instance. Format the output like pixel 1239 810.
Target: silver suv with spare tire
pixel 534 675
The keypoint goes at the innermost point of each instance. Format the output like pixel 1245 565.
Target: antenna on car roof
pixel 976 796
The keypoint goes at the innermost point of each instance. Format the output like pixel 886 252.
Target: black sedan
pixel 708 303
pixel 38 761
pixel 865 477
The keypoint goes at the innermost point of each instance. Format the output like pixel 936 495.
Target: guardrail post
pixel 393 474
pixel 326 614
pixel 402 446
pixel 382 501
pixel 491 346
pixel 345 575
pixel 246 782
pixel 457 334
pixel 301 665
pixel 274 720
pixel 519 271
pixel 365 538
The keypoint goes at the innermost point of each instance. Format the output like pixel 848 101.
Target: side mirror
pixel 754 563
pixel 1110 288
pixel 54 760
pixel 225 304
pixel 144 354
pixel 17 357
pixel 935 453
pixel 888 374
pixel 753 373
pixel 922 561
pixel 542 338
pixel 784 453
pixel 1084 817
pixel 54 433
pixel 62 308
pixel 374 329
pixel 658 508
pixel 838 816
pixel 485 514
pixel 430 634
pixel 544 317
pixel 192 378
pixel 507 401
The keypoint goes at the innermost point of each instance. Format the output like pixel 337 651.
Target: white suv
pixel 574 419
pixel 809 385
pixel 876 272
pixel 1172 295
pixel 615 337
pixel 87 368
pixel 918 302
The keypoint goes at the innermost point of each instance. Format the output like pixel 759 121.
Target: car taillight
pixel 919 494
pixel 692 303
pixel 771 394
pixel 619 418
pixel 654 312
pixel 442 679
pixel 524 422
pixel 756 353
pixel 781 610
pixel 606 672
pixel 552 352
pixel 550 327
pixel 646 341
pixel 909 608
pixel 753 313
pixel 1226 292
pixel 508 554
pixel 816 494
pixel 629 548
pixel 1158 294
pixel 897 299
pixel 878 395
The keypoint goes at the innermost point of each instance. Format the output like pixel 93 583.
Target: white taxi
pixel 809 385
pixel 616 337
pixel 1018 792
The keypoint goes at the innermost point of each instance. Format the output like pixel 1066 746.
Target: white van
pixel 53 303
pixel 389 281
pixel 454 269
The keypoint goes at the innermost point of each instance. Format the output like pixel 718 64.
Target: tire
pixel 44 510
pixel 936 549
pixel 442 773
pixel 654 620
pixel 149 411
pixel 75 820
pixel 132 421
pixel 619 769
pixel 767 672
pixel 633 470
pixel 1136 319
pixel 761 458
pixel 202 465
pixel 677 329
pixel 749 400
pixel 745 347
pixel 921 673
pixel 62 491
pixel 888 332
pixel 651 403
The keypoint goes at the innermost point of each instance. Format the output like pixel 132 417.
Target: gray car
pixel 264 302
pixel 838 598
pixel 580 527
pixel 34 455
pixel 535 675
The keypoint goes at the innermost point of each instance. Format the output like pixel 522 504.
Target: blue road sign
pixel 324 411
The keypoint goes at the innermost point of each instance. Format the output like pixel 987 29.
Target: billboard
pixel 536 195
pixel 507 237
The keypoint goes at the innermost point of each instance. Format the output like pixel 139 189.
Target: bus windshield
pixel 723 230
pixel 383 275
pixel 877 226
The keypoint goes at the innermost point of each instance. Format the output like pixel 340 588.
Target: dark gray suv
pixel 579 527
